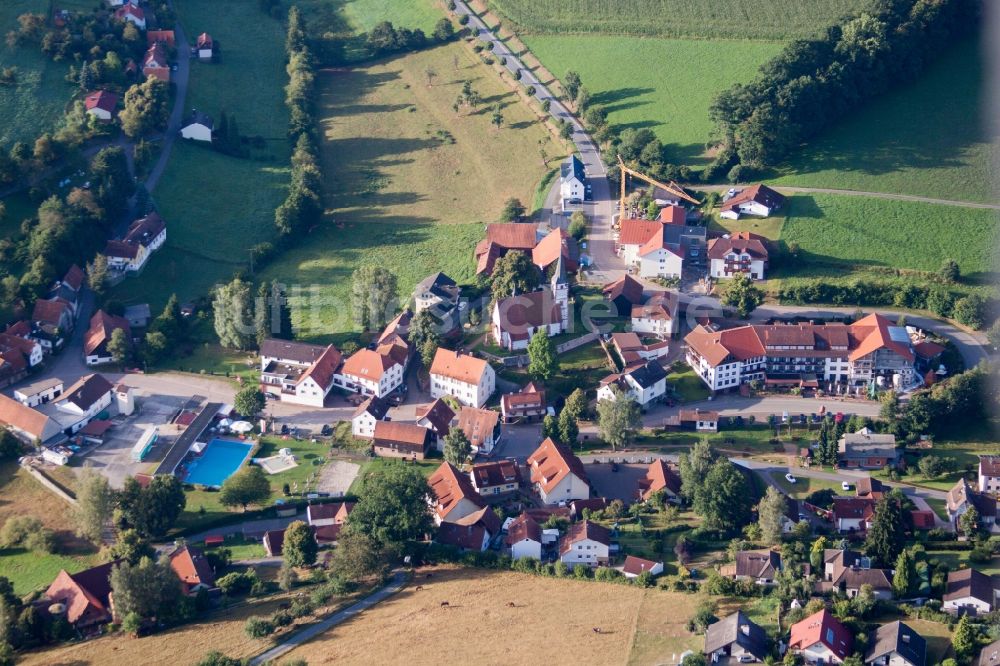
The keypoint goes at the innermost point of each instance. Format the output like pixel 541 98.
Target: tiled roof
pixel 875 332
pixel 511 235
pixel 524 528
pixel 989 465
pixel 298 352
pixel 50 311
pixel 21 417
pixel 555 244
pixel 103 100
pixel 659 476
pixel 497 473
pixel 584 530
pixel 325 367
pixel 449 487
pixel 551 463
pixel 638 232
pixel 191 566
pixel 86 391
pixel 636 565
pixel 368 364
pixel 758 563
pixel 673 215
pixel 403 435
pixel 739 242
pixel 899 638
pixel 730 630
pixel 439 414
pixel 458 366
pixel 375 406
pixel 969 583
pixel 518 313
pixel 628 287
pixel 759 193
pixel 102 326
pixel 823 628
pixel 477 424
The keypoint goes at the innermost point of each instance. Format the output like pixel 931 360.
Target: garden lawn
pixel 37 101
pixel 240 548
pixel 309 456
pixel 410 182
pixel 663 84
pixel 426 468
pixel 761 19
pixel 688 385
pixel 850 231
pixel 217 206
pixel 929 138
pixel 29 571
pixel 804 485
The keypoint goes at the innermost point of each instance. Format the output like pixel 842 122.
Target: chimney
pixel 745 628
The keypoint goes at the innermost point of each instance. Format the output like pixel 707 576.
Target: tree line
pixel 814 83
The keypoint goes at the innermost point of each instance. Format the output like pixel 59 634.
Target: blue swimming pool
pixel 217 462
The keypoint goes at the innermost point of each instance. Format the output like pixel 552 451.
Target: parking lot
pixel 113 458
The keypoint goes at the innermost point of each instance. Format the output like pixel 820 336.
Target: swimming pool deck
pixel 181 445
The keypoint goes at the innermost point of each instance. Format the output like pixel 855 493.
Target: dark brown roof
pixel 524 527
pixel 740 242
pixel 299 352
pixel 969 583
pixel 86 391
pixel 466 537
pixel 628 288
pixel 402 436
pixel 584 530
pixel 989 465
pixel 899 638
pixel 439 414
pixel 758 563
pixel 499 473
pixel 990 655
pixel 759 193
pixel 518 313
pixel 145 229
pixel 375 406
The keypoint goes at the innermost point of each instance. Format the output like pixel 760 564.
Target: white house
pixel 452 495
pixel 518 318
pixel 524 537
pixel 25 423
pixel 585 543
pixel 656 249
pixel 30 350
pixel 657 258
pixel 989 474
pixel 557 474
pixel 572 181
pixel 968 590
pixel 495 478
pixel 742 252
pixel 468 379
pixel 39 393
pixel 325 515
pixel 198 127
pixel 298 373
pixel 436 417
pixel 758 200
pixel 657 316
pixel 368 413
pixel 144 236
pixel 897 644
pixel 81 403
pixel 635 566
pixel 436 292
pixel 376 372
pixel 133 14
pixel 821 639
pixel 481 428
pixel 643 383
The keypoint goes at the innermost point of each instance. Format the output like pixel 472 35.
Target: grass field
pixel 649 624
pixel 909 141
pixel 688 385
pixel 410 182
pixel 761 19
pixel 217 206
pixel 362 15
pixel 804 485
pixel 663 84
pixel 426 468
pixel 37 101
pixel 860 231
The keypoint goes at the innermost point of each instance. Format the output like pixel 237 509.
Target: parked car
pixel 845 485
pixel 790 478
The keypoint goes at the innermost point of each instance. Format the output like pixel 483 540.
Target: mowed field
pixel 363 15
pixel 902 234
pixel 410 182
pixel 37 101
pixel 551 621
pixel 666 85
pixel 761 19
pixel 216 206
pixel 931 138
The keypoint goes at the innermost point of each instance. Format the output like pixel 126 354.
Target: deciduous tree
pixel 742 294
pixel 373 296
pixel 146 108
pixel 249 401
pixel 392 508
pixel 544 362
pixel 618 418
pixel 299 548
pixel 457 447
pixel 770 513
pixel 95 501
pixel 234 315
pixel 246 487
pixel 513 273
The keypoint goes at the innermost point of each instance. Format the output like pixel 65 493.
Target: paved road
pixel 855 193
pixel 177 115
pixel 314 630
pixel 607 265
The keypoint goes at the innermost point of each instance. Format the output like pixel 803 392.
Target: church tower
pixel 560 291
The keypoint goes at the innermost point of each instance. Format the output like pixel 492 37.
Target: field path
pixel 314 630
pixel 857 193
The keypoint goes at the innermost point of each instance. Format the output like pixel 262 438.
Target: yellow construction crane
pixel 672 188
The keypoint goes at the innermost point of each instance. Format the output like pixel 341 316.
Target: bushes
pixel 238 582
pixel 258 627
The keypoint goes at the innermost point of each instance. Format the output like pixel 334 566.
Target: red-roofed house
pixel 133 14
pixel 144 236
pixel 922 519
pixel 193 569
pixel 853 514
pixel 759 200
pixel 821 639
pixel 101 104
pixel 454 495
pixel 400 440
pixel 658 249
pixel 481 428
pixel 86 595
pixel 657 316
pixel 297 372
pixel 524 537
pixel 204 46
pixel 495 478
pixel 517 319
pixel 95 342
pixel 557 474
pixel 660 476
pixel 376 372
pixel 636 565
pixel 585 543
pixel 324 515
pixel 557 243
pixel 500 239
pixel 468 379
pixel 741 252
pixel 155 64
pixel 527 405
pixel 164 36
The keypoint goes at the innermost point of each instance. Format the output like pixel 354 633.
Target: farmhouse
pixel 660 476
pixel 896 644
pixel 658 249
pixel 736 637
pixel 524 537
pixel 368 413
pixel 631 349
pixel 298 373
pixel 867 450
pixel 585 543
pixel 26 423
pixel 572 181
pixel 155 64
pixel 643 382
pixel 870 349
pixel 517 318
pixel 101 104
pixel 501 238
pixel 821 639
pixel 961 497
pixel 86 595
pixel 481 428
pixel 527 405
pixel 400 440
pixel 989 474
pixel 495 478
pixel 95 342
pixel 38 393
pixel 376 372
pixel 742 252
pixel 634 566
pixel 657 316
pixel 80 403
pixel 328 515
pixel 437 293
pixel 557 474
pixel 472 533
pixel 20 351
pixel 198 127
pixel 204 46
pixel 454 496
pixel 436 417
pixel 468 379
pixel 192 568
pixel 144 236
pixel 556 245
pixel 133 14
pixel 758 200
pixel 760 567
pixel 969 591
pixel 51 320
pixel 625 294
pixel 699 420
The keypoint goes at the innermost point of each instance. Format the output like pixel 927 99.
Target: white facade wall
pixel 197 131
pixel 526 548
pixel 966 603
pixel 39 398
pixel 472 395
pixel 570 488
pixel 363 425
pixel 989 484
pixel 386 384
pixel 571 189
pixel 99 113
pixel 819 654
pixel 586 551
pixel 658 327
pixel 661 263
pixel 717 267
